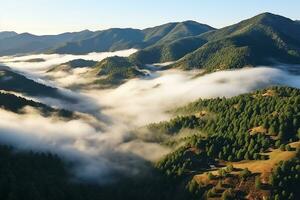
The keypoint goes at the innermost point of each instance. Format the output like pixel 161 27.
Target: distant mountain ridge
pixel 120 39
pixel 28 43
pixel 254 41
pixel 259 40
pixel 7 34
pixel 86 41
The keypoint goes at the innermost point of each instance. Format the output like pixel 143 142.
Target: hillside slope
pixel 169 51
pixel 235 145
pixel 260 40
pixel 73 64
pixel 113 71
pixel 119 39
pixel 13 82
pixel 18 105
pixel 227 157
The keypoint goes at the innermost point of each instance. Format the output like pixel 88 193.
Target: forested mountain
pixel 258 40
pixel 17 104
pixel 115 70
pixel 158 35
pixel 39 176
pixel 108 40
pixel 119 39
pixel 169 51
pixel 261 40
pixel 251 133
pixel 99 41
pixel 108 73
pixel 14 82
pixel 29 43
pixel 77 63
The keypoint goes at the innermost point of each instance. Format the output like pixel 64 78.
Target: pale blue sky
pixel 56 16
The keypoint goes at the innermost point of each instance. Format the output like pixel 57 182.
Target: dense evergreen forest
pixel 18 105
pixel 224 134
pixel 243 128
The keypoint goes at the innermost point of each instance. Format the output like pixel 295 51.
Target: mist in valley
pixel 104 141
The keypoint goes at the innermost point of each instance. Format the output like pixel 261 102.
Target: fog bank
pixel 141 101
pixel 101 153
pixel 22 62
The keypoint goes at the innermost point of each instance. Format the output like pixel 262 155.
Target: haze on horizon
pixel 56 16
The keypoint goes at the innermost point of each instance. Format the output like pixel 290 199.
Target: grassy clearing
pixel 263 167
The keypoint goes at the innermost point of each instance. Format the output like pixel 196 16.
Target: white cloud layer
pixel 147 100
pixel 102 150
pixel 20 62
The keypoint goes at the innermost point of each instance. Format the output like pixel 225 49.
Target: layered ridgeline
pixel 245 146
pixel 99 41
pixel 119 39
pixel 7 34
pixel 109 72
pixel 260 40
pixel 15 82
pixel 167 52
pixel 12 43
pixel 73 64
pixel 19 105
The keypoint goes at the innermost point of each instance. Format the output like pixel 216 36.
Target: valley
pixel 184 108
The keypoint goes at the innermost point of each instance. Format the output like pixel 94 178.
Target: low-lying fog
pixel 27 62
pixel 112 147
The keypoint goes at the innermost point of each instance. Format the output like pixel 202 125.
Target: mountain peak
pixel 270 17
pixel 267 14
pixel 7 34
pixel 195 23
pixel 190 22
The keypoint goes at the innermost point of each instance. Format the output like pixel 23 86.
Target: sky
pixel 57 16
